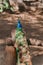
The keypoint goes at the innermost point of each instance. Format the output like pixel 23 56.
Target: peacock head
pixel 19 25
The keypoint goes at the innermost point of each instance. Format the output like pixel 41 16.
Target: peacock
pixel 21 45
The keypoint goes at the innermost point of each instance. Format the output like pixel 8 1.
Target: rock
pixel 33 9
pixel 10 55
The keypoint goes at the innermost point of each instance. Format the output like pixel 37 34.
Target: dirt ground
pixel 32 25
pixel 38 60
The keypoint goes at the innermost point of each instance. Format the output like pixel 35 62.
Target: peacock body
pixel 22 48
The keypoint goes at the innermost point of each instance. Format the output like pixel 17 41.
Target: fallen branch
pixel 36 50
pixel 36 47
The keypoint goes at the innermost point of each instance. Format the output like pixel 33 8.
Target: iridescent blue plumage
pixel 19 24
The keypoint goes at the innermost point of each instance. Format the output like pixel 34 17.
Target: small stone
pixel 22 64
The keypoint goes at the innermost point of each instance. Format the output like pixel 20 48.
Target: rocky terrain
pixel 32 22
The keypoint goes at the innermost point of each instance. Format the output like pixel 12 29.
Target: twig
pixel 36 47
